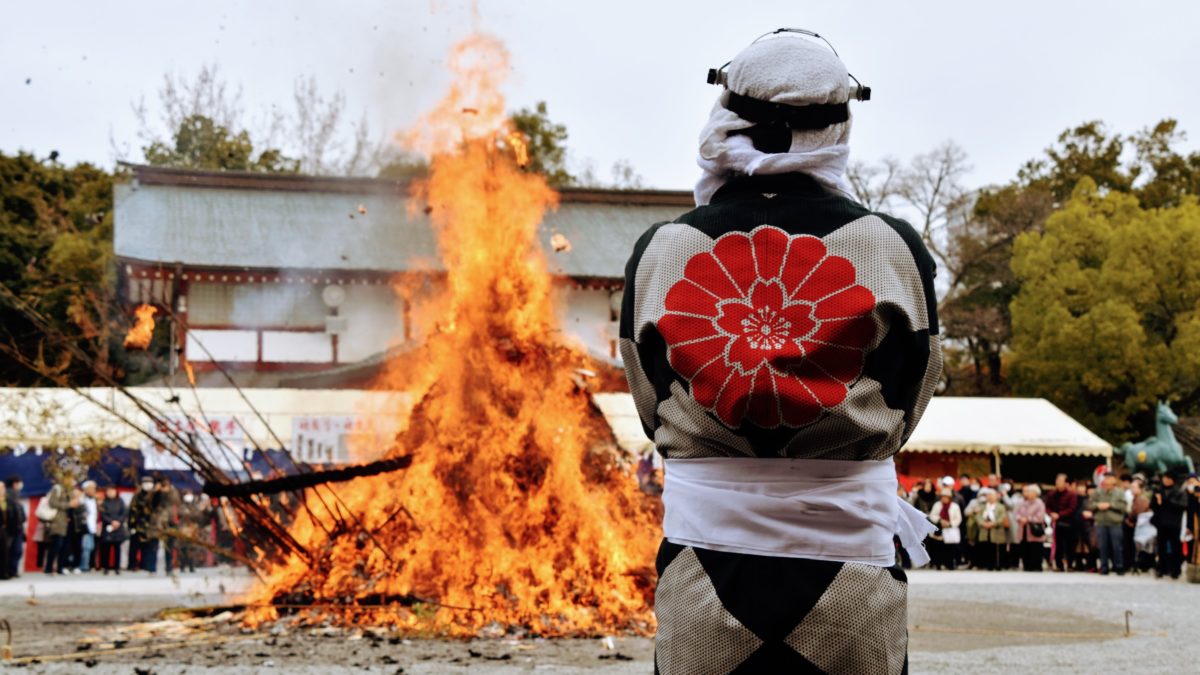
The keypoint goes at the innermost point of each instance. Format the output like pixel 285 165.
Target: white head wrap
pixel 789 70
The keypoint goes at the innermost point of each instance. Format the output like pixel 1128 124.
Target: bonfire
pixel 515 514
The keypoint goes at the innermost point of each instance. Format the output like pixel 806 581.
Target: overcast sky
pixel 626 77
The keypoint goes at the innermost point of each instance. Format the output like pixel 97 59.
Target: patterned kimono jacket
pixel 780 320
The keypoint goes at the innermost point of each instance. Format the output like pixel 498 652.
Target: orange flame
pixel 515 511
pixel 516 140
pixel 139 336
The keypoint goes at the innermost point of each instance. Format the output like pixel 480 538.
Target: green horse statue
pixel 1161 452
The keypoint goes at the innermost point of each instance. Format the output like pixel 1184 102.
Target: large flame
pixel 514 513
pixel 139 336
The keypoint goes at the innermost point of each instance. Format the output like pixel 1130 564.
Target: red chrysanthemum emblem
pixel 768 328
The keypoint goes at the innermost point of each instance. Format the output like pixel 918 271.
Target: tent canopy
pixel 1010 426
pixel 622 417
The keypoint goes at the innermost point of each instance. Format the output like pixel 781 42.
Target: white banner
pixel 325 439
pixel 219 438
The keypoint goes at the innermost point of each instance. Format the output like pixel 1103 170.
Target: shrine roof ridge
pixel 295 182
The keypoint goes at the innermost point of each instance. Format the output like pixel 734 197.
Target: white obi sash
pixel 845 511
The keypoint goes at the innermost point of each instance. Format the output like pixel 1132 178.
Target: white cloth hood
pixel 789 70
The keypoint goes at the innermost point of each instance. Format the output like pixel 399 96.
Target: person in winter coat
pixel 1170 505
pixel 947 515
pixel 1031 516
pixel 1192 489
pixel 924 497
pixel 1062 503
pixel 228 530
pixel 16 545
pixel 991 521
pixel 7 529
pixel 1108 508
pixel 1140 532
pixel 113 530
pixel 76 530
pixel 62 501
pixel 143 544
pixel 166 518
pixel 90 509
pixel 194 517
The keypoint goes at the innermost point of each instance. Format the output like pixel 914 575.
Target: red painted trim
pixel 252 275
pixel 248 329
pixel 138 268
pixel 263 366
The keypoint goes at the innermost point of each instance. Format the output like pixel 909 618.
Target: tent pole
pixel 996 457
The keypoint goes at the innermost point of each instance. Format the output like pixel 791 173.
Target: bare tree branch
pixel 874 185
pixel 932 187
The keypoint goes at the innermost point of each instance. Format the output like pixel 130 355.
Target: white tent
pixel 52 417
pixel 1008 426
pixel 622 416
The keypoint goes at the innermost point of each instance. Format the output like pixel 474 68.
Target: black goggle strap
pixel 794 117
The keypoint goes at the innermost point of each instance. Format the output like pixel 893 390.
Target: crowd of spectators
pixel 79 528
pixel 1127 524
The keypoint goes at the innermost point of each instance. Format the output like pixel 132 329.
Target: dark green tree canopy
pixel 1107 318
pixel 1147 164
pixel 547 144
pixel 56 255
pixel 201 143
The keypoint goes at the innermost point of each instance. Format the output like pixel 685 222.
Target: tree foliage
pixel 547 144
pixel 1107 318
pixel 201 143
pixel 56 255
pixel 1147 164
pixel 971 232
pixel 201 122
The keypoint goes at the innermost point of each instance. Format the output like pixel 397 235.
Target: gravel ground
pixel 960 622
pixel 1165 623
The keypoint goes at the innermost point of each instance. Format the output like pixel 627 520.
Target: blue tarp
pixel 123 467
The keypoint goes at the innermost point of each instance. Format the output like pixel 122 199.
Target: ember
pixel 515 513
pixel 560 243
pixel 139 336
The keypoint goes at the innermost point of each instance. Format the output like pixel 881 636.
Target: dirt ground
pixel 958 621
